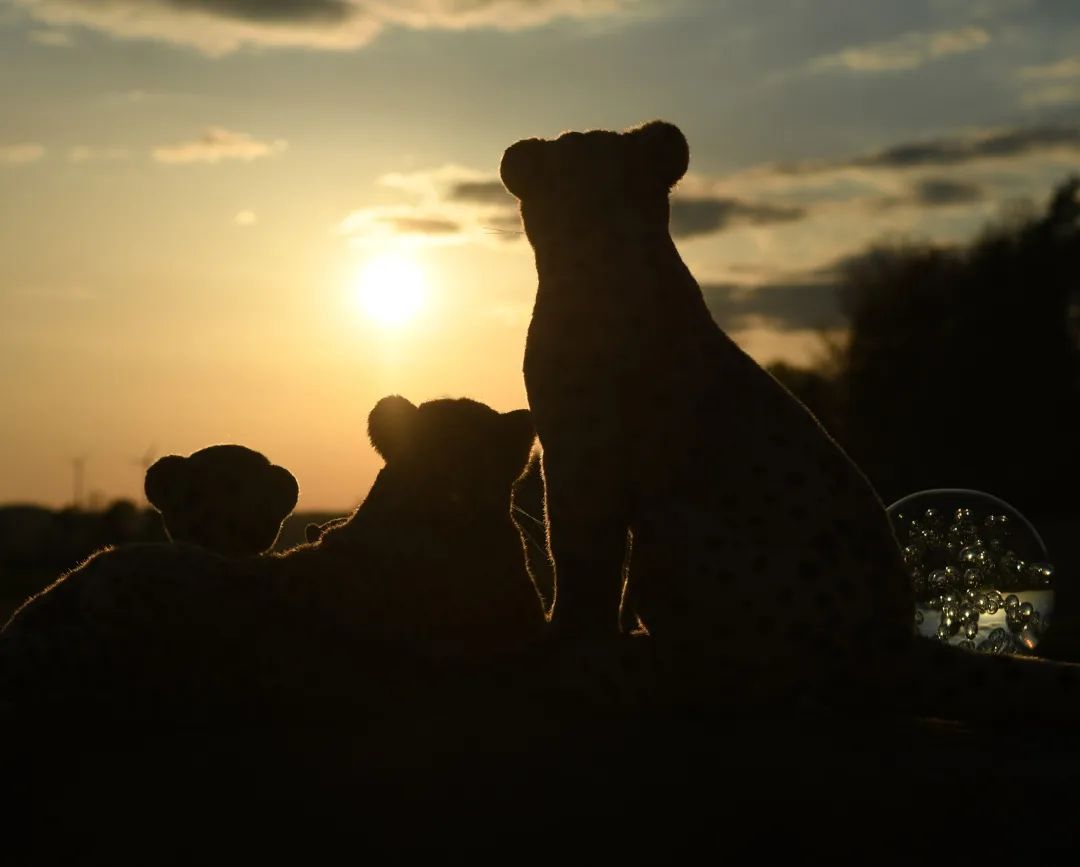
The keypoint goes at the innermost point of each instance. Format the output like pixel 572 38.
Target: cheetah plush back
pixel 438 518
pixel 756 549
pixel 225 498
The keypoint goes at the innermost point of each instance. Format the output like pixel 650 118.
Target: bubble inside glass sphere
pixel 982 577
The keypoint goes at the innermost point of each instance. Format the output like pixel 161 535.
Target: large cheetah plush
pixel 760 556
pixel 429 567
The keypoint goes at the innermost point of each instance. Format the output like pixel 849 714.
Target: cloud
pixel 794 306
pixel 246 218
pixel 415 224
pixel 702 215
pixel 1055 83
pixel 218 144
pixel 804 213
pixel 952 150
pixel 221 26
pixel 934 192
pixel 456 199
pixel 998 144
pixel 506 225
pixel 407 225
pixel 1068 67
pixel 51 38
pixel 451 204
pixel 910 51
pixel 84 154
pixel 20 154
pixel 491 192
pixel 1053 94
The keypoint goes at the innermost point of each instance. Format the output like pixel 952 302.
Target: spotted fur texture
pixel 761 557
pixel 428 567
pixel 225 498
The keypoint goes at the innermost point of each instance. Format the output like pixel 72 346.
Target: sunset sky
pixel 247 220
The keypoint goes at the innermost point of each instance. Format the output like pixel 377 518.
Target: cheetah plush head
pixel 226 498
pixel 583 182
pixel 448 462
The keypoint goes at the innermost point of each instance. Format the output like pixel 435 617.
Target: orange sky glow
pixel 229 222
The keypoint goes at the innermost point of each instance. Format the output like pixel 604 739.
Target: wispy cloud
pixel 1056 83
pixel 20 154
pixel 84 154
pixel 1068 67
pixel 936 192
pixel 703 215
pixel 417 224
pixel 220 26
pixel 217 144
pixel 909 51
pixel 788 306
pixel 945 191
pixel 944 188
pixel 451 204
pixel 804 214
pixel 1061 93
pixel 51 38
pixel 482 192
pixel 950 150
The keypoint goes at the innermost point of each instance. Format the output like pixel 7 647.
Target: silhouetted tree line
pixel 40 539
pixel 962 364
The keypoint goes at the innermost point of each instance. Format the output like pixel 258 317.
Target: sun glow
pixel 391 289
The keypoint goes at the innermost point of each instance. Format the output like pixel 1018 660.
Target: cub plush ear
pixel 390 426
pixel 282 488
pixel 522 166
pixel 164 477
pixel 662 150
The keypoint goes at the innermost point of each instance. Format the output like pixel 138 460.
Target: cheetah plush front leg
pixel 587 541
pixel 585 495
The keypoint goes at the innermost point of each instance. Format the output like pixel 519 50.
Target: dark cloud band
pixel 273 11
pixel 481 193
pixel 780 306
pixel 421 225
pixel 692 216
pixel 953 150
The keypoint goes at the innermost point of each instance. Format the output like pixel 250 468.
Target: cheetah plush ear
pixel 390 426
pixel 283 489
pixel 522 166
pixel 663 151
pixel 164 480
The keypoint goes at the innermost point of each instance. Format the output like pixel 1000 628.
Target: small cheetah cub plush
pixel 226 498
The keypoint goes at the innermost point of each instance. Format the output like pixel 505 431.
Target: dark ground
pixel 677 788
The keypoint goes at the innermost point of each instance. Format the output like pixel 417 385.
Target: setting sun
pixel 391 289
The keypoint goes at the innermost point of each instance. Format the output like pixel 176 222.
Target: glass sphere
pixel 959 540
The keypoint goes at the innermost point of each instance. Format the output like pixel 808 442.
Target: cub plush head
pixel 227 499
pixel 582 180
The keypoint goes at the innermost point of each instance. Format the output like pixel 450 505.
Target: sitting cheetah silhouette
pixel 756 546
